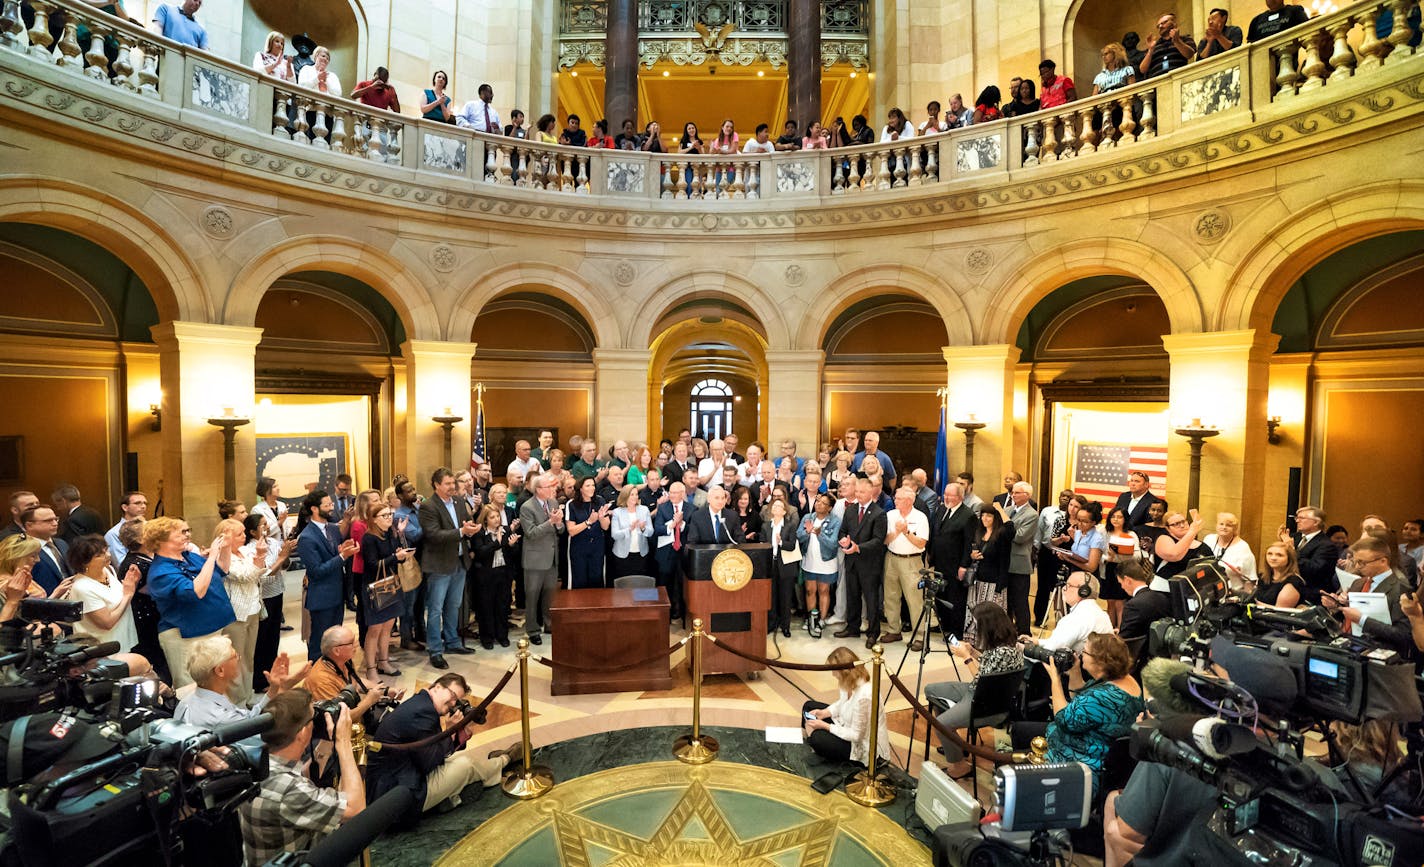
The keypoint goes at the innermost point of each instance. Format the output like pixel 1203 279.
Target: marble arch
pixel 561 283
pixel 710 284
pixel 1038 276
pixel 137 239
pixel 1292 239
pixel 384 272
pixel 870 280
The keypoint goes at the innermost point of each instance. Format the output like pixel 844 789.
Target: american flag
pixel 1100 469
pixel 477 452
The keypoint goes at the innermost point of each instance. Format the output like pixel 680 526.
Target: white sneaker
pixel 835 621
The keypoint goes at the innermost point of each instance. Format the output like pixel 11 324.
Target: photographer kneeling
pixel 291 813
pixel 438 771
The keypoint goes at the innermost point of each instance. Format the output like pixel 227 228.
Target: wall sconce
pixel 1271 424
pixel 157 412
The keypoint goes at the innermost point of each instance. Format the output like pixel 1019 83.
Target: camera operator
pixel 997 652
pixel 1371 559
pixel 437 772
pixel 332 672
pixel 214 667
pixel 291 813
pixel 1084 618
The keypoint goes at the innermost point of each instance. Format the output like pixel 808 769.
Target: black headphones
pixel 1085 590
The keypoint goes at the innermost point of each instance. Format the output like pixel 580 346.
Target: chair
pixel 995 697
pixel 635 582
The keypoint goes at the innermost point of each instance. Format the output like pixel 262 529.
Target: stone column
pixel 204 369
pixel 620 83
pixel 620 396
pixel 981 383
pixel 1221 378
pixel 792 403
pixel 437 383
pixel 803 61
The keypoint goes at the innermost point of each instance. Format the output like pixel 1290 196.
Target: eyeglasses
pixel 1178 523
pixel 385 514
pixel 1360 562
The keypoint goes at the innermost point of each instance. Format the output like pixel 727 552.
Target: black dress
pixel 751 525
pixel 1269 593
pixel 489 571
pixel 1170 569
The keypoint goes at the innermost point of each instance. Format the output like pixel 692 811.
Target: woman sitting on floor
pixel 841 731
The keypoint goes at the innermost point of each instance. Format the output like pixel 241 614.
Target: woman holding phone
pixel 381 556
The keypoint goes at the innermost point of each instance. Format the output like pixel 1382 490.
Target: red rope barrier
pixel 476 713
pixel 774 663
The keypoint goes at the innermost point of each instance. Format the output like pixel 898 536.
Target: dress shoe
pixel 869 642
pixel 514 754
pixel 785 631
pixel 847 633
pixel 890 638
pixel 487 645
pixel 536 639
pixel 504 642
pixel 410 644
pixel 438 661
pixel 916 646
pixel 460 650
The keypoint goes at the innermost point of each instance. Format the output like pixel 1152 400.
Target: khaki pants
pixel 902 577
pixel 175 650
pixel 461 769
pixel 244 640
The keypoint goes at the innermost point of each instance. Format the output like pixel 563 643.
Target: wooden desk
pixel 609 627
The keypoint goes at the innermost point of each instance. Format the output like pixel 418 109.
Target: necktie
pixel 716 529
pixel 54 552
pixel 862 513
pixel 676 531
pixel 548 512
pixel 1365 588
pixel 489 124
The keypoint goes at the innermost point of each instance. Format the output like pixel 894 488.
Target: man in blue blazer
pixel 42 525
pixel 325 556
pixel 669 537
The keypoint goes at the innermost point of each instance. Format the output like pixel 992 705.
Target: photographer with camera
pixel 997 652
pixel 439 770
pixel 214 666
pixel 291 813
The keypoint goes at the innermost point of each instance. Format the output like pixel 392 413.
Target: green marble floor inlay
pixel 667 813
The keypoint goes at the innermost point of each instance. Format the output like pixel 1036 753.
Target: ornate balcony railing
pixel 195 105
pixel 590 17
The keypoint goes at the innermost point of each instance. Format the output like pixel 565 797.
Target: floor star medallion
pixel 668 813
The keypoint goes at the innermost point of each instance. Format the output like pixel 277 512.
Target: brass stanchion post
pixel 359 743
pixel 529 780
pixel 696 748
pixel 870 789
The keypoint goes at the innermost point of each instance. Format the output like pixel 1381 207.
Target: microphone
pixel 1214 737
pixel 229 732
pixel 345 844
pixel 1160 678
pixel 84 654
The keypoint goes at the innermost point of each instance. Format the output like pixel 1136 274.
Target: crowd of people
pixel 476 556
pixel 1167 48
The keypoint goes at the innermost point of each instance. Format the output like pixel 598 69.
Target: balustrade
pixel 1330 51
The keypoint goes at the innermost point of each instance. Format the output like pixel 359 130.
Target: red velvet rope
pixel 776 663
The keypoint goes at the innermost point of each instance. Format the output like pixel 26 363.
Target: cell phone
pixel 810 715
pixel 953 642
pixel 829 782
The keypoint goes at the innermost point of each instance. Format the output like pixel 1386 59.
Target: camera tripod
pixel 929 579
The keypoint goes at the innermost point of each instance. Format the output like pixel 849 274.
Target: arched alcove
pixel 340 25
pixel 1091 24
pixel 688 351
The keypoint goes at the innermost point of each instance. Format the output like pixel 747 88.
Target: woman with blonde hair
pixel 1117 72
pixel 272 59
pixel 842 471
pixel 188 589
pixel 243 583
pixel 18 556
pixel 841 731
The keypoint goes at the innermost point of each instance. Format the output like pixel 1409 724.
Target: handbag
pixel 408 571
pixel 384 591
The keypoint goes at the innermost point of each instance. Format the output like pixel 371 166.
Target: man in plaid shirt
pixel 290 812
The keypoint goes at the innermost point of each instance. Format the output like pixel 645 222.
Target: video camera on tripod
pixel 931 582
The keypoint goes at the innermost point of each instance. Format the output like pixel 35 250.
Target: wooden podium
pixel 612 627
pixel 736 617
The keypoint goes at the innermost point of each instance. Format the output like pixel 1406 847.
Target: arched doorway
pixel 708 370
pixel 1091 24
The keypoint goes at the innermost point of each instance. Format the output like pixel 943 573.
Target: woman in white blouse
pixel 631 527
pixel 317 76
pixel 272 60
pixel 107 615
pixel 841 731
pixel 247 567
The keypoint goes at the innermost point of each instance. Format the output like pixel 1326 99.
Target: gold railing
pixel 120 69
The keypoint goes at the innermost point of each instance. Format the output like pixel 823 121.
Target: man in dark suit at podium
pixel 951 534
pixel 863 539
pixel 670 531
pixel 714 525
pixel 1137 500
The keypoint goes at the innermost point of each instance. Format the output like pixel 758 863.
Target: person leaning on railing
pixel 272 59
pixel 840 731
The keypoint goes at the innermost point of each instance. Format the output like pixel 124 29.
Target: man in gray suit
pixel 444 526
pixel 1024 517
pixel 543 521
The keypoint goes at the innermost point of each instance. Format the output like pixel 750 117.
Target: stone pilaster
pixel 792 404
